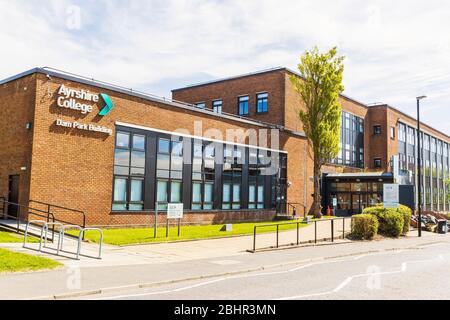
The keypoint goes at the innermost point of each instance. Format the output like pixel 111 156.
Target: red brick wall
pixel 230 90
pixel 17 101
pixel 376 145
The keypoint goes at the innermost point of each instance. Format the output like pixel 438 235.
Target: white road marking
pixel 246 276
pixel 403 268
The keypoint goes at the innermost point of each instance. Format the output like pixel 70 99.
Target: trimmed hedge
pixel 364 226
pixel 392 222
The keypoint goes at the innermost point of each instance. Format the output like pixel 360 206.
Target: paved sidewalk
pixel 78 278
pixel 183 251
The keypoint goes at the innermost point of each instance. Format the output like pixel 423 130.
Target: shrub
pixel 391 221
pixel 364 226
pixel 406 213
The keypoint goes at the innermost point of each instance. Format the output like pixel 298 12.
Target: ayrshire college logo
pixel 109 105
pixel 68 99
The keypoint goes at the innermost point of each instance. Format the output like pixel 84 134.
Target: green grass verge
pixel 146 235
pixel 19 262
pixel 11 237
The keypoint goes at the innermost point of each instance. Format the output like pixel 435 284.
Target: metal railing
pixel 29 211
pixel 290 208
pixel 276 227
pixel 51 209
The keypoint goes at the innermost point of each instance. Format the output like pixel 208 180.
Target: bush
pixel 406 213
pixel 391 221
pixel 364 226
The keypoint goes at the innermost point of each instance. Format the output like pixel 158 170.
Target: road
pixel 419 273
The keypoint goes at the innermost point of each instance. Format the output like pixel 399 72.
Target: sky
pixel 395 50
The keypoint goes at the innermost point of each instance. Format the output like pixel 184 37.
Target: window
pixel 426 142
pixel 257 161
pixel 232 177
pixel 347 120
pixel 129 170
pixel 361 125
pixel 243 106
pixel 377 162
pixel 392 132
pixel 351 151
pixel 169 172
pixel 217 106
pixel 401 132
pixel 262 102
pixel 376 129
pixel 411 135
pixel 200 105
pixel 203 171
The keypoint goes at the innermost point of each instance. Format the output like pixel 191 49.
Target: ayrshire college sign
pixel 83 126
pixel 68 98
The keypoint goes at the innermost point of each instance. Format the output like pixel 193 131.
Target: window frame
pixel 203 181
pixel 130 177
pixel 215 105
pixel 199 104
pixel 242 114
pixel 258 99
pixel 375 131
pixel 170 180
pixel 375 160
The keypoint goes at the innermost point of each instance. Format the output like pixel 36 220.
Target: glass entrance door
pixel 359 203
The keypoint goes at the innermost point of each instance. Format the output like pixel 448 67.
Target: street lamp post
pixel 419 171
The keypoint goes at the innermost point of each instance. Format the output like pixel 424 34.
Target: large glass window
pixel 232 177
pixel 401 132
pixel 160 177
pixel 203 172
pixel 169 172
pixel 262 102
pixel 256 179
pixel 129 171
pixel 243 106
pixel 351 151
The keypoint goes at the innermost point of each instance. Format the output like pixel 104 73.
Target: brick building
pixel 378 142
pixel 232 150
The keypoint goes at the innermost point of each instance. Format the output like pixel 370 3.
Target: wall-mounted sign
pixel 70 99
pixel 391 198
pixel 83 126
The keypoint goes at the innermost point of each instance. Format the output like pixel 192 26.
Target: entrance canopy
pixel 363 176
pixel 350 193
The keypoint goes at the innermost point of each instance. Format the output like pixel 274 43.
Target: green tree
pixel 319 87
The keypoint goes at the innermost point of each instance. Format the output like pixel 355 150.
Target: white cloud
pixel 395 50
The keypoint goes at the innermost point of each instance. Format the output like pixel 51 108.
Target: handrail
pixel 50 206
pixel 293 206
pixel 31 211
pixel 277 225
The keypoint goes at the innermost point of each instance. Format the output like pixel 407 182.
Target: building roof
pixel 51 72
